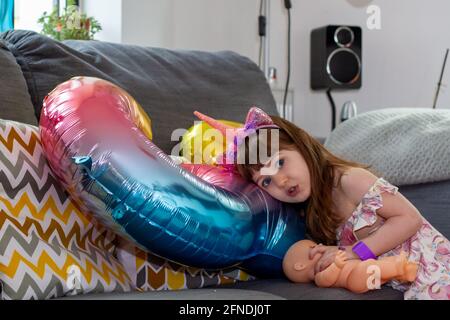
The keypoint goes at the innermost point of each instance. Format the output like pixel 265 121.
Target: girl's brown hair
pixel 321 220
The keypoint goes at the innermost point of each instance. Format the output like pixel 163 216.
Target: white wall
pixel 147 23
pixel 109 14
pixel 27 12
pixel 214 25
pixel 401 62
pixel 138 22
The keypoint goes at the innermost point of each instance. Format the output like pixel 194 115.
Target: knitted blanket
pixel 405 146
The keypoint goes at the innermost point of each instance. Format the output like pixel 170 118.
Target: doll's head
pixel 297 265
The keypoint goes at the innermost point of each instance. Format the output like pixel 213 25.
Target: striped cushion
pixel 48 248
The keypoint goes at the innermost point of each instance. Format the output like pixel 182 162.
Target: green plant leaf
pixel 72 24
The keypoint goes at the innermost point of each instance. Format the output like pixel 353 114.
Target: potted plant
pixel 72 24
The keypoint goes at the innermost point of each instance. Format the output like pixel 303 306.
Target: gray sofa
pixel 170 85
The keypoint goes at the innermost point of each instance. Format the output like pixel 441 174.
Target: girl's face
pixel 285 177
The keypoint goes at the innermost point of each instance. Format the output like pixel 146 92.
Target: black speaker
pixel 336 57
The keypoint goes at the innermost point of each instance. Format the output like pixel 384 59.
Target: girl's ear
pixel 298 266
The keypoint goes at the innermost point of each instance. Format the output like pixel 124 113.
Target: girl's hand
pixel 328 256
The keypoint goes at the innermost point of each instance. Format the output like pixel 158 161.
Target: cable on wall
pixel 333 109
pixel 288 6
pixel 261 30
pixel 440 80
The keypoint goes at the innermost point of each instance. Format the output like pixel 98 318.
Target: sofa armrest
pixel 15 101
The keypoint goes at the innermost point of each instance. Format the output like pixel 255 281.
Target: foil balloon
pixel 96 140
pixel 202 144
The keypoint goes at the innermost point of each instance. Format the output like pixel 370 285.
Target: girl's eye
pixel 280 163
pixel 265 183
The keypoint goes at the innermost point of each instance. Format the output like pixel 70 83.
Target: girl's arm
pixel 403 220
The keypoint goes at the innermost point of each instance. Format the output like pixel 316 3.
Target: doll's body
pixel 355 275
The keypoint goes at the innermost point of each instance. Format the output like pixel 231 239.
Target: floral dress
pixel 428 247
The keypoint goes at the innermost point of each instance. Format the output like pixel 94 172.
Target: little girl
pixel 347 207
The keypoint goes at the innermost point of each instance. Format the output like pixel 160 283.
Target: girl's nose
pixel 280 180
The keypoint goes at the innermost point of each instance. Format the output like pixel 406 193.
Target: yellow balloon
pixel 202 143
pixel 142 119
pixel 145 123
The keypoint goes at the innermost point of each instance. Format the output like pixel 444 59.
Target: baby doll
pixel 354 275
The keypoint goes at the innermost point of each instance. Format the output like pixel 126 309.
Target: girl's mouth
pixel 293 191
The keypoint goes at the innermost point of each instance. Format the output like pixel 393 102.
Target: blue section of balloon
pixel 195 215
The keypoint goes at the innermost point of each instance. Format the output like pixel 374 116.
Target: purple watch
pixel 363 251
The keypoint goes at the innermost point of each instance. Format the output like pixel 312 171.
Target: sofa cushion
pixel 404 145
pixel 433 202
pixel 309 291
pixel 15 101
pixel 48 247
pixel 169 84
pixel 223 293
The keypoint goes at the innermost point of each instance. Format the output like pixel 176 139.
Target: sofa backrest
pixel 169 84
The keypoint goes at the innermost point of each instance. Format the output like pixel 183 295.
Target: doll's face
pixel 297 265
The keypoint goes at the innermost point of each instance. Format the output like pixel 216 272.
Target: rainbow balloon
pixel 96 139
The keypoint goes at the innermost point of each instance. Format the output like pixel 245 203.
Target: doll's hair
pixel 321 220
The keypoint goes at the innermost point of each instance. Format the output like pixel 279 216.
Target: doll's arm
pixel 327 277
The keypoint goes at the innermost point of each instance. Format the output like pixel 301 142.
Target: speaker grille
pixel 344 36
pixel 343 66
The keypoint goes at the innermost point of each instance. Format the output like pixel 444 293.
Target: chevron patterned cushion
pixel 48 248
pixel 151 273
